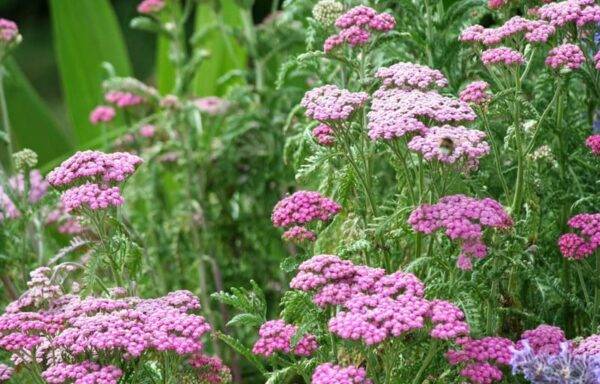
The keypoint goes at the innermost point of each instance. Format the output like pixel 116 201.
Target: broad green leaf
pixel 33 124
pixel 86 34
pixel 225 53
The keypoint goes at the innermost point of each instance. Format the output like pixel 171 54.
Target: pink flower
pixel 356 26
pixel 276 336
pixel 324 135
pixel 82 373
pixel 91 196
pixel 8 31
pixel 102 114
pixel 590 346
pixel 299 235
pixel 496 4
pixel 411 76
pixel 481 357
pixel 597 60
pixel 328 373
pixel 476 93
pixel 536 31
pixel 502 55
pixel 566 55
pixel 212 105
pixel 580 12
pixel 6 372
pixel 151 6
pixel 593 143
pixel 303 207
pixel 577 247
pixel 463 218
pixel 123 99
pixel 147 131
pixel 329 103
pixel 210 369
pixel 545 339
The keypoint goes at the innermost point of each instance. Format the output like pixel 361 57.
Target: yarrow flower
pixel 577 247
pixel 82 373
pixel 327 12
pixel 593 143
pixel 94 166
pixel 212 105
pixel 356 27
pixel 210 369
pixel 481 358
pixel 449 144
pixel 476 93
pixel 6 372
pixel 463 218
pixel 330 103
pixel 147 131
pixel 597 60
pixel 102 114
pixel 24 159
pixel 496 4
pixel 580 12
pixel 303 207
pixel 91 196
pixel 276 336
pixel 397 112
pixel 328 373
pixel 535 31
pixel 565 56
pixel 9 32
pixel 411 76
pixel 151 6
pixel 299 234
pixel 324 135
pixel 545 339
pixel 123 99
pixel 502 55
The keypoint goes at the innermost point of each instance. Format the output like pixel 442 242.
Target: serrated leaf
pixel 280 376
pixel 289 264
pixel 245 319
pixel 242 350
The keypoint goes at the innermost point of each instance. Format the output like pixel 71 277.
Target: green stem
pixel 586 295
pixel 519 183
pixel 495 150
pixel 5 123
pixel 430 355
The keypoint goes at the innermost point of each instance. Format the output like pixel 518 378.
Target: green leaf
pixel 225 53
pixel 289 264
pixel 165 71
pixel 33 124
pixel 280 376
pixel 242 350
pixel 245 319
pixel 86 34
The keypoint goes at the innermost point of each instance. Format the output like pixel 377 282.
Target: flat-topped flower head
pixel 463 218
pixel 212 105
pixel 411 76
pixel 123 99
pixel 357 25
pixel 102 114
pixel 94 166
pixel 6 372
pixel 449 144
pixel 82 373
pixel 534 31
pixel 91 196
pixel 545 339
pixel 303 207
pixel 330 103
pixel 328 373
pixel 9 32
pixel 590 346
pixel 276 336
pixel 502 55
pixel 497 4
pixel 481 358
pixel 299 234
pixel 565 56
pixel 151 6
pixel 579 246
pixel 324 135
pixel 580 12
pixel 593 143
pixel 476 93
pixel 449 320
pixel 327 12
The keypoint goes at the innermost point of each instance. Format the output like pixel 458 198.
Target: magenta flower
pixel 6 372
pixel 330 103
pixel 299 235
pixel 535 31
pixel 545 339
pixel 577 247
pixel 356 27
pixel 212 105
pixel 86 372
pixel 151 6
pixel 565 56
pixel 91 196
pixel 8 31
pixel 496 4
pixel 464 219
pixel 411 76
pixel 324 135
pixel 502 55
pixel 476 93
pixel 147 131
pixel 276 336
pixel 593 143
pixel 580 12
pixel 102 114
pixel 481 358
pixel 302 207
pixel 123 99
pixel 328 373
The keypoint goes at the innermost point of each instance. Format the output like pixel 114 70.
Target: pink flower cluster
pixel 376 306
pixel 330 103
pixel 328 374
pixel 8 31
pixel 212 105
pixel 356 27
pixel 580 12
pixel 324 135
pixel 502 55
pixel 91 196
pixel 597 60
pixel 397 112
pixel 82 373
pixel 535 31
pixel 496 4
pixel 577 247
pixel 565 56
pixel 210 369
pixel 276 336
pixel 476 93
pixel 37 190
pixel 481 358
pixel 6 372
pixel 94 166
pixel 147 131
pixel 303 207
pixel 411 76
pixel 299 234
pixel 450 144
pixel 544 339
pixel 151 6
pixel 593 143
pixel 102 114
pixel 463 218
pixel 123 99
pixel 590 346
